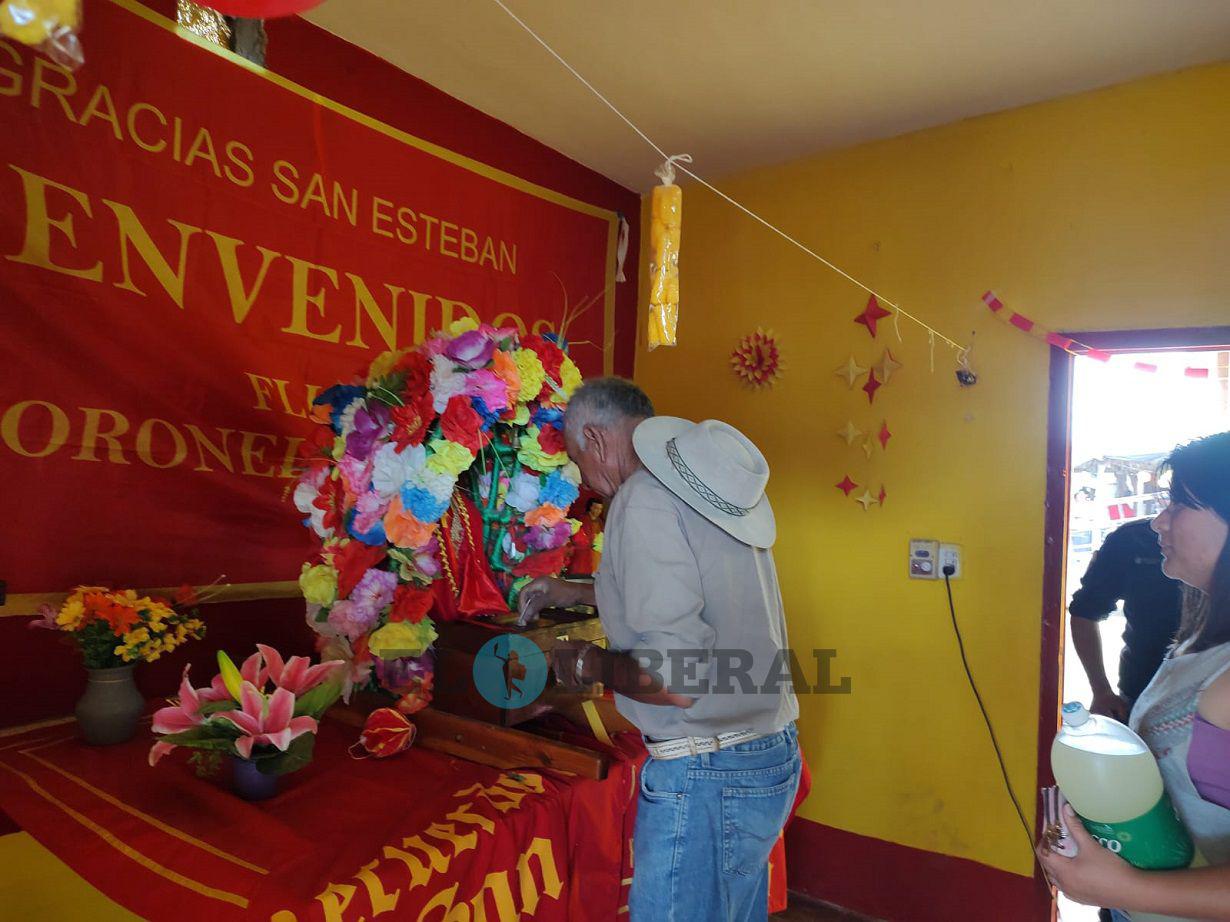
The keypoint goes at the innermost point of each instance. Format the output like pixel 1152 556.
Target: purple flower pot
pixel 249 782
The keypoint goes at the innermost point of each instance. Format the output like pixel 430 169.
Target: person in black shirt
pixel 1128 567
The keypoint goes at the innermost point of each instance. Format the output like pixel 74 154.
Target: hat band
pixel 690 478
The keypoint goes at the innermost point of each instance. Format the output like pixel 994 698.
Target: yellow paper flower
pixel 401 638
pixel 574 524
pixel 598 543
pixel 529 366
pixel 523 415
pixel 570 376
pixel 382 365
pixel 318 583
pixel 71 613
pixel 449 458
pixel 464 325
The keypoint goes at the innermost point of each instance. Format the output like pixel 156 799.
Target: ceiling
pixel 743 83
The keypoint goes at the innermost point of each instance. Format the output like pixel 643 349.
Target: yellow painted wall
pixel 1105 210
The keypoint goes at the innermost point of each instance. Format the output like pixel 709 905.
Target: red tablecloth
pixel 417 836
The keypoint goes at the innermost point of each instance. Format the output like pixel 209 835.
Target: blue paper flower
pixel 422 505
pixel 376 537
pixel 338 398
pixel 490 418
pixel 544 416
pixel 558 491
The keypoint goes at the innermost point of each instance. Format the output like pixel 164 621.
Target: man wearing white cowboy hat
pixel 688 597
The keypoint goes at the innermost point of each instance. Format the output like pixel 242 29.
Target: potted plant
pixel 263 715
pixel 115 629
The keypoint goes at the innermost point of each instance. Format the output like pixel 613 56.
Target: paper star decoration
pixel 867 500
pixel 849 432
pixel 871 315
pixel 872 385
pixel 847 486
pixel 883 494
pixel 886 366
pixel 850 372
pixel 756 360
pixel 868 448
pixel 884 435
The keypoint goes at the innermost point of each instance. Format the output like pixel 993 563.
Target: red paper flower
pixel 410 603
pixel 351 561
pixel 460 423
pixel 331 500
pixel 417 368
pixel 551 440
pixel 544 564
pixel 411 421
pixel 756 360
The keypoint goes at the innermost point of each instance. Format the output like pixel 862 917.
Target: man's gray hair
pixel 604 402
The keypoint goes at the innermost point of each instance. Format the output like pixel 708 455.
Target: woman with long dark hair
pixel 1184 714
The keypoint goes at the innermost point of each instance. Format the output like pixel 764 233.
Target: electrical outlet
pixel 950 556
pixel 923 555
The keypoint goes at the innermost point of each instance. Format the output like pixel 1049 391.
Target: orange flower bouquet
pixel 117 627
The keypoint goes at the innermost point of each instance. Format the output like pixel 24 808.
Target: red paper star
pixel 871 314
pixel 884 435
pixel 872 385
pixel 883 494
pixel 847 486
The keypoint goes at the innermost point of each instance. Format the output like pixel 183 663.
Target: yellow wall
pixel 1100 211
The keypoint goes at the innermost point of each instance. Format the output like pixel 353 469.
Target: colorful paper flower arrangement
pixel 756 361
pixel 116 627
pixel 438 484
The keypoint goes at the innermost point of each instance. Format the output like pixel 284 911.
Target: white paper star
pixel 850 372
pixel 887 365
pixel 849 432
pixel 867 500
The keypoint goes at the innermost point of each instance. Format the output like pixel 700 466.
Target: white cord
pixel 677 162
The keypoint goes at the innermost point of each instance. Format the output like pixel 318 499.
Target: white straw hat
pixel 715 469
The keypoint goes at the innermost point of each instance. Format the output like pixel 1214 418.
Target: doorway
pixel 1111 423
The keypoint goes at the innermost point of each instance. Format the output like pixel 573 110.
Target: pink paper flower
pixel 270 721
pixel 470 350
pixel 297 674
pixel 490 387
pixel 351 620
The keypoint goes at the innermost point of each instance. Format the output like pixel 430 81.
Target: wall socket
pixel 950 556
pixel 923 556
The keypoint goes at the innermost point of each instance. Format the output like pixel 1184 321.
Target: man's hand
pixel 1108 704
pixel 549 592
pixel 1095 877
pixel 570 662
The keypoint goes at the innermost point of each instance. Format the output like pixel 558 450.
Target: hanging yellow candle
pixel 664 237
pixel 33 22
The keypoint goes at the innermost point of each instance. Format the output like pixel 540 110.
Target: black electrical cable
pixel 982 707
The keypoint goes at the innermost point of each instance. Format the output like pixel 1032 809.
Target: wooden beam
pixel 484 743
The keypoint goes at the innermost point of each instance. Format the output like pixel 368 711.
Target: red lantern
pixel 260 9
pixel 386 733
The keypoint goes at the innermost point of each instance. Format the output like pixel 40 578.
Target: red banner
pixel 190 249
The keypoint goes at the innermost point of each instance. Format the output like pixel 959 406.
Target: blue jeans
pixel 1119 916
pixel 705 825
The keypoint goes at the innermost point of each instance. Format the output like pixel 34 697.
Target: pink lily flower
pixel 296 675
pixel 251 670
pixel 177 717
pixel 266 720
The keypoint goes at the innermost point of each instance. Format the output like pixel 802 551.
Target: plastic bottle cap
pixel 1074 714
